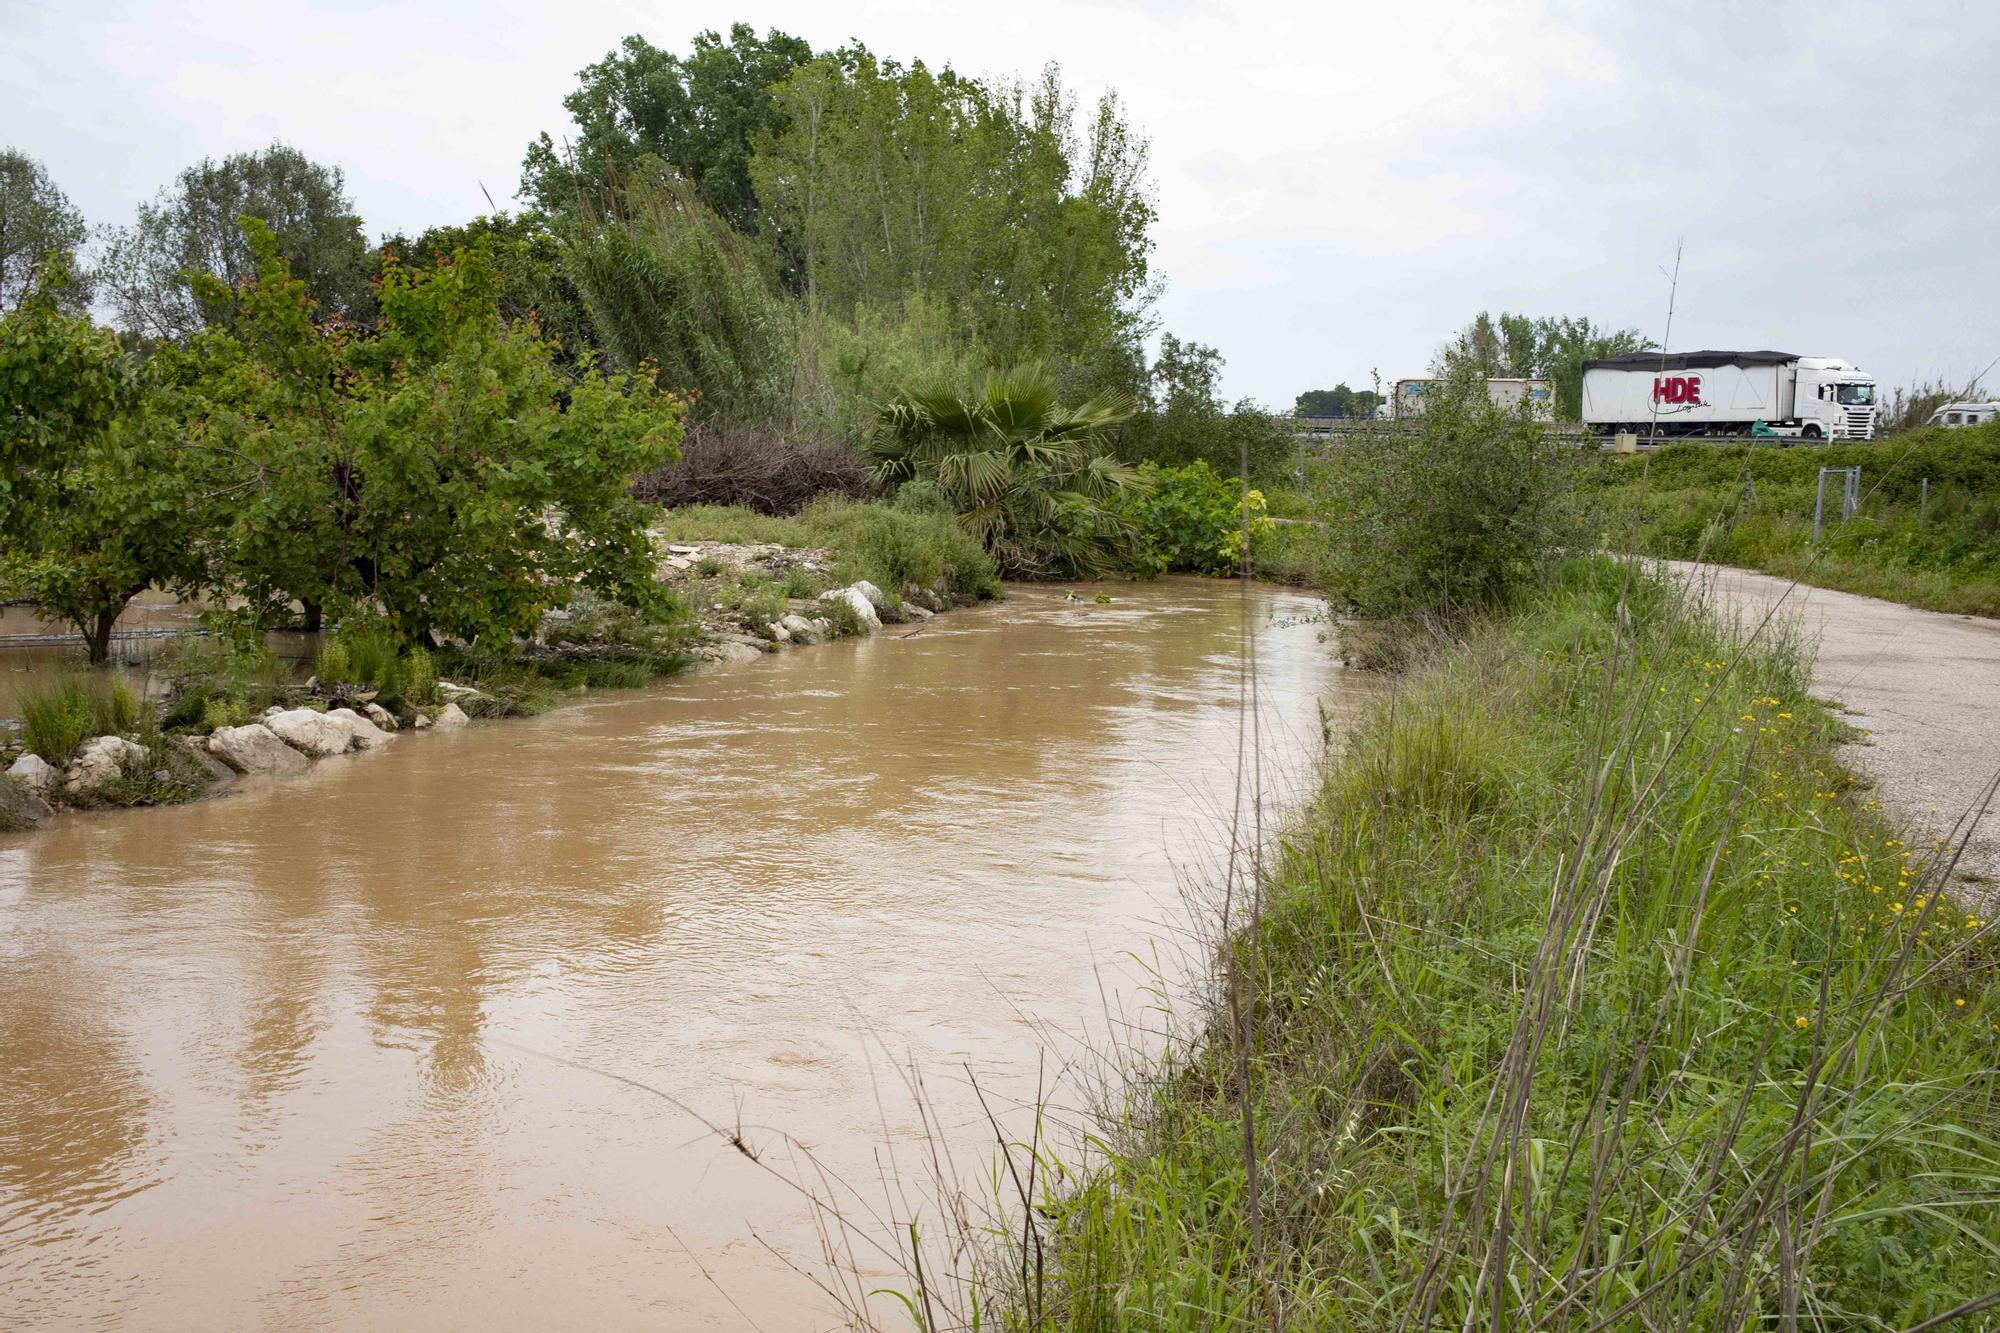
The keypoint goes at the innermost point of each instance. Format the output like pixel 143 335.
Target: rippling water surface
pixel 282 1059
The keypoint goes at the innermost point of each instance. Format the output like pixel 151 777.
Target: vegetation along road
pixel 1921 686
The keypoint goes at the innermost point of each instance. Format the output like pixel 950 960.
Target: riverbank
pixel 91 742
pixel 1588 989
pixel 1927 533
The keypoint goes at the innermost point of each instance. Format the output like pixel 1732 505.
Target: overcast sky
pixel 1339 185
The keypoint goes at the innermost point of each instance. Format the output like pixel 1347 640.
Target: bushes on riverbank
pixel 1754 507
pixel 890 546
pixel 1587 992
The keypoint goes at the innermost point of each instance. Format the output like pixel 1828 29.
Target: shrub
pixel 755 467
pixel 1460 515
pixel 1034 480
pixel 891 547
pixel 219 677
pixel 420 677
pixel 1191 518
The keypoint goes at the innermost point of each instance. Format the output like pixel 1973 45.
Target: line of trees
pixel 1527 347
pixel 438 430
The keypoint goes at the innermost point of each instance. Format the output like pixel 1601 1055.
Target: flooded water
pixel 346 1050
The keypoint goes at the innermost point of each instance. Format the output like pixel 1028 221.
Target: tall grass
pixel 1589 992
pixel 61 714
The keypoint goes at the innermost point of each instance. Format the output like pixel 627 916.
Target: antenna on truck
pixel 1673 292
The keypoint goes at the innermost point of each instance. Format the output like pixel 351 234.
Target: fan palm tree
pixel 1033 480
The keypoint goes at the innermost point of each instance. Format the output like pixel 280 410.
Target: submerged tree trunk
pixel 98 634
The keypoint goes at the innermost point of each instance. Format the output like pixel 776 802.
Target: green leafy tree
pixel 443 473
pixel 1456 517
pixel 1033 480
pixel 696 115
pixel 1192 518
pixel 99 496
pixel 528 252
pixel 191 228
pixel 999 201
pixel 1339 401
pixel 671 288
pixel 37 221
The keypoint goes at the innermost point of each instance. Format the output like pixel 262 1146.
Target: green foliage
pixel 1187 422
pixel 1599 865
pixel 1032 480
pixel 442 474
pixel 534 283
pixel 1456 517
pixel 217 681
pixel 37 221
pixel 1191 519
pixel 1547 348
pixel 420 678
pixel 192 228
pixel 889 546
pixel 1751 506
pixel 645 112
pixel 1339 401
pixel 851 363
pixel 62 713
pixel 993 200
pixel 101 497
pixel 673 291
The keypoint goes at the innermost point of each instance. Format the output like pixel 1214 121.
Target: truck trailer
pixel 1729 393
pixel 1510 393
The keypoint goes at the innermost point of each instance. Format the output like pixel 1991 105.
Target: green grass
pixel 886 545
pixel 62 713
pixel 1753 507
pixel 1587 992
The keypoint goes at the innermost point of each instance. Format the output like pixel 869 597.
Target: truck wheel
pixel 1812 433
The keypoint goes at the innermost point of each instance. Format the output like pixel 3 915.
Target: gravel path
pixel 1925 686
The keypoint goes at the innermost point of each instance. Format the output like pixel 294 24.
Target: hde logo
pixel 1677 389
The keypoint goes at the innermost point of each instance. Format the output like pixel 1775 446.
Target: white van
pixel 1965 414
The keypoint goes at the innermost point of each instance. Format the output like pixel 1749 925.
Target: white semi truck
pixel 1729 393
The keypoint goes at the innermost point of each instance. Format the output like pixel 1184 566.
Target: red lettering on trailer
pixel 1677 389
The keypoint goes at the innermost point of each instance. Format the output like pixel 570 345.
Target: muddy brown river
pixel 345 1051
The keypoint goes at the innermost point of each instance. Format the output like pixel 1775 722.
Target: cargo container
pixel 1510 393
pixel 1727 393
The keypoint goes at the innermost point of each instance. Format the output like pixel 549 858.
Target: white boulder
pixel 450 718
pixel 802 630
pixel 255 749
pixel 99 760
pixel 35 773
pixel 323 735
pixel 380 716
pixel 864 609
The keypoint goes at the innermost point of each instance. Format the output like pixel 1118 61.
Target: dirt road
pixel 1923 684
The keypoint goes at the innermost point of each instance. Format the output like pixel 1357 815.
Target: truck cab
pixel 1834 400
